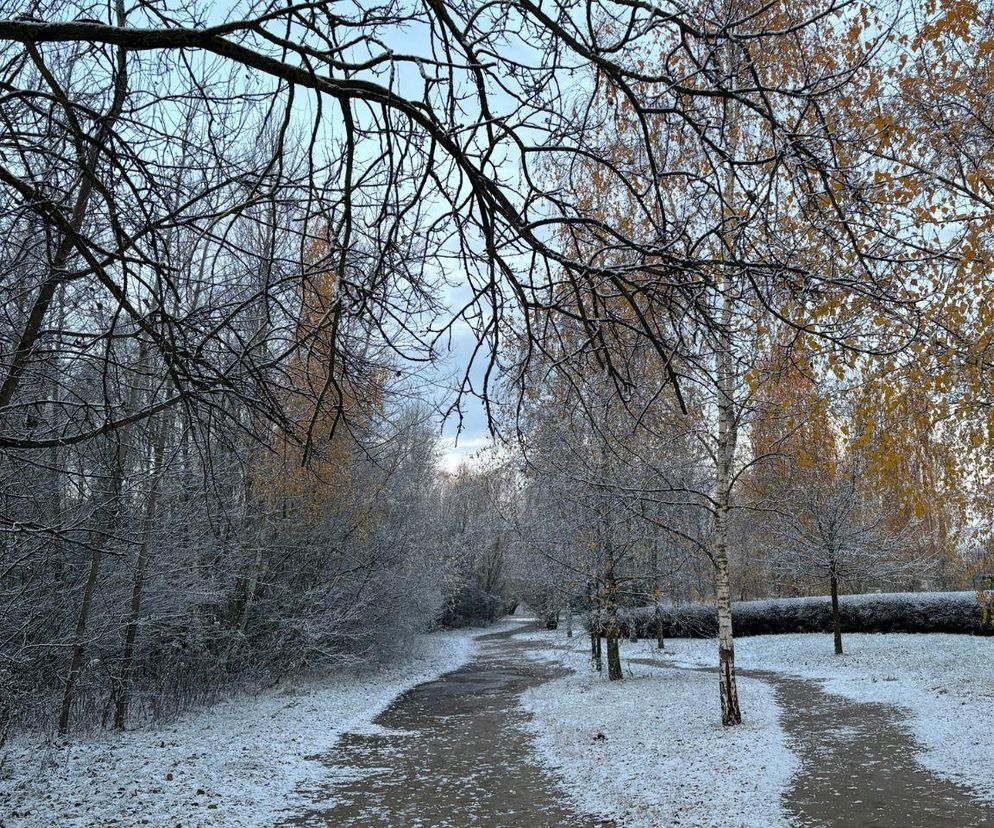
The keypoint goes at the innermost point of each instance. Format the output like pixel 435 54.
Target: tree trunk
pixel 612 627
pixel 730 713
pixel 727 433
pixel 252 585
pixel 656 594
pixel 836 621
pixel 595 633
pixel 79 640
pixel 613 656
pixel 138 583
pixel 660 634
pixel 108 513
pixel 569 619
pixel 106 526
pixel 727 426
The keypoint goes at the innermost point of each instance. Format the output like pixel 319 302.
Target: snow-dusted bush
pixel 908 612
pixel 471 606
pixel 271 571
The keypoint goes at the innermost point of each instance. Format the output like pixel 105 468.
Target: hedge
pixel 906 612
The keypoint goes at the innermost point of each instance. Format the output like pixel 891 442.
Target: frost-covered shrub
pixel 908 612
pixel 471 606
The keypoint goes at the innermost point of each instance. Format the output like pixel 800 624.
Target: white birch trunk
pixel 727 430
pixel 727 434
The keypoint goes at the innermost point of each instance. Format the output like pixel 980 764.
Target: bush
pixel 471 607
pixel 907 612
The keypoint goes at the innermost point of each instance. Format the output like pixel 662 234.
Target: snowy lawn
pixel 237 764
pixel 943 683
pixel 650 750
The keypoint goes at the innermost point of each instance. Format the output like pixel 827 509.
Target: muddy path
pixel 451 753
pixel 858 763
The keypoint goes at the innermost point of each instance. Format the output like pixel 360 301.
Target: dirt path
pixel 451 753
pixel 858 767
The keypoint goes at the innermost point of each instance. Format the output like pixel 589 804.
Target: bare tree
pixel 837 532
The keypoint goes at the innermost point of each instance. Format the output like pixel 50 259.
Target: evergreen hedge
pixel 907 612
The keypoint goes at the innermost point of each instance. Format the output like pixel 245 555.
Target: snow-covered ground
pixel 650 750
pixel 943 683
pixel 237 764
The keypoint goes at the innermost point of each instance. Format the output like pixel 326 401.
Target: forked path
pixel 451 753
pixel 858 766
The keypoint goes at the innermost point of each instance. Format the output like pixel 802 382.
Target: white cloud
pixel 469 451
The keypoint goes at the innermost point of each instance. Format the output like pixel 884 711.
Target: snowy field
pixel 236 764
pixel 650 750
pixel 944 684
